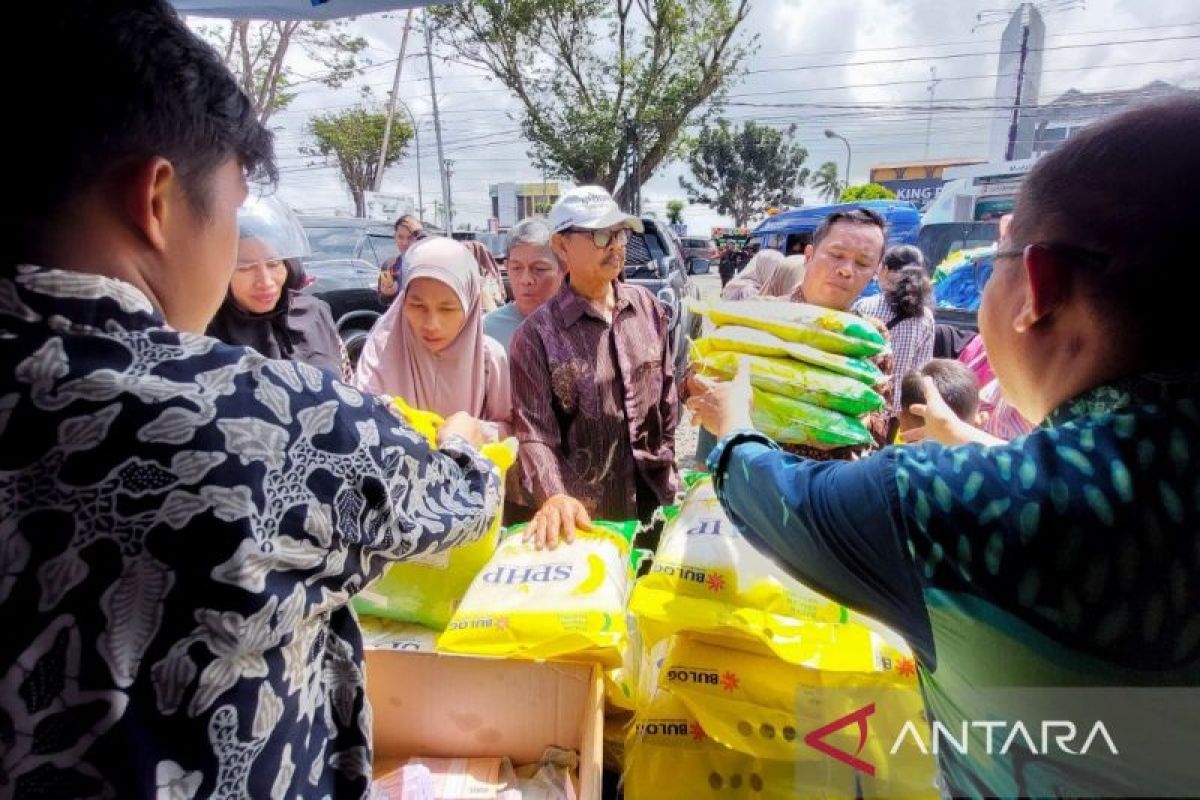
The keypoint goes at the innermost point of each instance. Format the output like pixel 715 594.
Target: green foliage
pixel 825 180
pixel 866 191
pixel 599 79
pixel 744 172
pixel 675 211
pixel 353 138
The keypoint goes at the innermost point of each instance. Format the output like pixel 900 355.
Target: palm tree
pixel 825 181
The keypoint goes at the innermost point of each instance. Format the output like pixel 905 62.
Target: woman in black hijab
pixel 265 309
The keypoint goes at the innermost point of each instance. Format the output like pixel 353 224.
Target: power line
pixel 967 55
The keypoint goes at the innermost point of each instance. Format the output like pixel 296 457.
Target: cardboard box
pixel 428 704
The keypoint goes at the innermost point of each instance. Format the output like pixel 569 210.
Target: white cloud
pixel 795 37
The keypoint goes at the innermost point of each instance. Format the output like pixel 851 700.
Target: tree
pixel 825 180
pixel 866 191
pixel 744 172
pixel 604 91
pixel 353 139
pixel 257 54
pixel 675 211
pixel 543 209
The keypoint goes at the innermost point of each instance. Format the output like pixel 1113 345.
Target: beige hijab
pixel 470 375
pixel 767 274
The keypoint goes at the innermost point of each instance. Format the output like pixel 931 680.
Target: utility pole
pixel 387 126
pixel 437 127
pixel 448 166
pixel 1014 124
pixel 933 81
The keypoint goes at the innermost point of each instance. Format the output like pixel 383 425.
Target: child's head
pixel 955 383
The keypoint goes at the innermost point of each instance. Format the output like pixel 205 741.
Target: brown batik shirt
pixel 595 403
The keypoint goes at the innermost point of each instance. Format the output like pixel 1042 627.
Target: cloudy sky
pixel 860 68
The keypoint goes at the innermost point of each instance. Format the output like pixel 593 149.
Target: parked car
pixel 333 238
pixel 346 256
pixel 654 260
pixel 699 253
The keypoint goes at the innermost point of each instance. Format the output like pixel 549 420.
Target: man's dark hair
pixel 910 295
pixel 412 221
pixel 1120 198
pixel 141 85
pixel 855 216
pixel 955 383
pixel 903 255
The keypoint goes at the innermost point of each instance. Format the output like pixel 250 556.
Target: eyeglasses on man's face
pixel 603 238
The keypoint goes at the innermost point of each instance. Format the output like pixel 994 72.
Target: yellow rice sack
pixel 546 604
pixel 426 591
pixel 823 328
pixel 795 379
pixel 670 756
pixel 766 708
pixel 739 339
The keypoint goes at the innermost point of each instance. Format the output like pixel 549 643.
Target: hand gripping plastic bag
pixel 767 708
pixel 823 328
pixel 790 421
pixel 737 339
pixel 670 756
pixel 795 379
pixel 426 592
pixel 566 603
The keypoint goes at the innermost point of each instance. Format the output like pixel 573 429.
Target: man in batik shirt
pixel 182 523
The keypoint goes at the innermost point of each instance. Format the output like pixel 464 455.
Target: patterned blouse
pixel 182 525
pixel 1067 557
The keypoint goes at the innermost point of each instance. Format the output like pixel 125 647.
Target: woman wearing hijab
pixel 430 348
pixel 492 294
pixel 264 309
pixel 769 274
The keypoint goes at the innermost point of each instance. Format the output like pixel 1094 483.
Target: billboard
pixel 919 192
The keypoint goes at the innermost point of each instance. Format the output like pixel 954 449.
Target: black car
pixel 654 260
pixel 347 254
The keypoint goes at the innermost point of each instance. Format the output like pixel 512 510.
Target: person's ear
pixel 558 243
pixel 808 251
pixel 150 199
pixel 1049 284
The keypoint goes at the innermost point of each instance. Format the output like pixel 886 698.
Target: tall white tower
pixel 1018 81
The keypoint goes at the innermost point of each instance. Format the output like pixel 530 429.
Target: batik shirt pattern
pixel 182 525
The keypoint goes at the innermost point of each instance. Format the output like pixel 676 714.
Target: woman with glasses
pixel 904 308
pixel 1066 558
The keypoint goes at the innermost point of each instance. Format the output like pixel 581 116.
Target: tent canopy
pixel 292 9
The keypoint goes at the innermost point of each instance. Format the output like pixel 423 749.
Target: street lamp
pixel 417 142
pixel 831 135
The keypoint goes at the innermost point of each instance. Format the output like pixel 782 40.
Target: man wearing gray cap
pixel 593 381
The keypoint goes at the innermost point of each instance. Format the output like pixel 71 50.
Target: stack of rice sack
pixel 742 666
pixel 812 381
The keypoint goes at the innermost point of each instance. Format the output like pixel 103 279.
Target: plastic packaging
pixel 797 380
pixel 426 592
pixel 544 604
pixel 736 339
pixel 823 328
pixel 792 421
pixel 766 708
